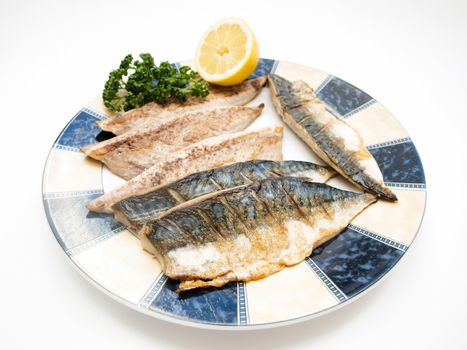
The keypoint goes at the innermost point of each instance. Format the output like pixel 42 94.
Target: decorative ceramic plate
pixel 111 257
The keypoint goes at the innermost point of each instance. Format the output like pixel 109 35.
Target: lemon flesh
pixel 228 52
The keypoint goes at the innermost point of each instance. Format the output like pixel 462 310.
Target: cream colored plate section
pixel 97 105
pixel 121 266
pixel 376 125
pixel 293 71
pixel 398 221
pixel 293 292
pixel 71 171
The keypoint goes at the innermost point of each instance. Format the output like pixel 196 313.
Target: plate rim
pixel 173 319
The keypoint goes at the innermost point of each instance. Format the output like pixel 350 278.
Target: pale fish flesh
pixel 135 211
pixel 331 138
pixel 129 154
pixel 250 232
pixel 219 96
pixel 206 154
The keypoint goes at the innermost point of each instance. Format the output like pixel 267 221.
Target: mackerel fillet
pixel 135 211
pixel 206 154
pixel 129 154
pixel 219 96
pixel 250 232
pixel 331 138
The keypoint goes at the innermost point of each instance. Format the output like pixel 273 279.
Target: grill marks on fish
pixel 133 212
pixel 152 112
pixel 129 154
pixel 207 154
pixel 250 232
pixel 331 138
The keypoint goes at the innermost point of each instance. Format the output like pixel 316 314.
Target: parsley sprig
pixel 135 83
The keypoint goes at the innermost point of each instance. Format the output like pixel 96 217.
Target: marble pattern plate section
pixel 214 305
pixel 354 261
pixel 72 223
pixel 400 163
pixel 265 66
pixel 81 131
pixel 342 96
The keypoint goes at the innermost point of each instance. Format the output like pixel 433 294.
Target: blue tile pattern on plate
pixel 265 66
pixel 342 96
pixel 213 305
pixel 81 131
pixel 73 224
pixel 354 261
pixel 400 163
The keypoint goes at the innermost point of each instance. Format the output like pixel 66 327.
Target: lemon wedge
pixel 228 52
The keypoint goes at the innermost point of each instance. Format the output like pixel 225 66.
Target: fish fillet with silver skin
pixel 251 232
pixel 331 138
pixel 129 154
pixel 135 211
pixel 206 154
pixel 152 112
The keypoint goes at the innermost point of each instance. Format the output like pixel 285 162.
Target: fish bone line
pixel 335 290
pixel 390 242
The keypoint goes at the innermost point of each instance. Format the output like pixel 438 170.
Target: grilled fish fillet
pixel 206 154
pixel 129 154
pixel 135 211
pixel 250 232
pixel 331 138
pixel 218 96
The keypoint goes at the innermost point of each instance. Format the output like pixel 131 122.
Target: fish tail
pixel 378 189
pixel 385 193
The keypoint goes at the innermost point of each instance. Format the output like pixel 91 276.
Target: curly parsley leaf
pixel 135 83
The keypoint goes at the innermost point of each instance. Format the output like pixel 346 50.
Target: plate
pixel 110 257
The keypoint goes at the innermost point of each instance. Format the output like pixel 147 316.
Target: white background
pixel 410 55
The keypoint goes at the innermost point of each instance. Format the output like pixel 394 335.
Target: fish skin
pixel 331 138
pixel 129 154
pixel 206 154
pixel 152 112
pixel 250 232
pixel 135 211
